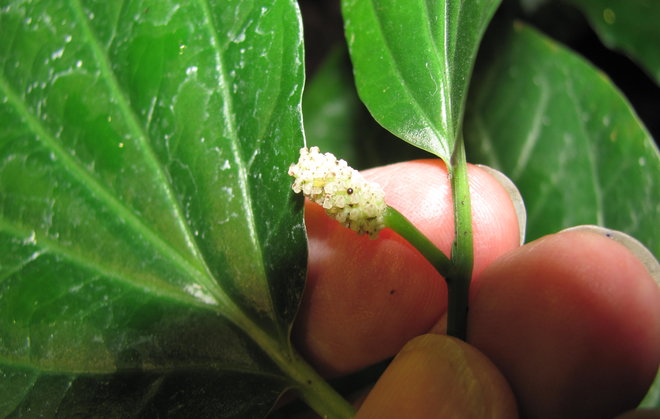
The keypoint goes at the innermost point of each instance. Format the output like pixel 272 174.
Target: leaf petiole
pixel 317 392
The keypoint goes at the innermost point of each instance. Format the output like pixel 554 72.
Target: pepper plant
pixel 153 251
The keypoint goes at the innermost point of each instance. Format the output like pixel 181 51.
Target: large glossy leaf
pixel 412 62
pixel 566 136
pixel 630 26
pixel 152 255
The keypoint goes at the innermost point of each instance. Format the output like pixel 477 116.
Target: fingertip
pixel 571 320
pixel 436 377
pixel 641 252
pixel 515 196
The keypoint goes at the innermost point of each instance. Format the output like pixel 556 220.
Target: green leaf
pixel 151 253
pixel 337 122
pixel 629 26
pixel 652 398
pixel 566 136
pixel 412 62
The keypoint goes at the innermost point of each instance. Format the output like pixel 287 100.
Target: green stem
pixel 313 389
pixel 400 224
pixel 317 393
pixel 462 254
pixel 457 307
pixel 457 271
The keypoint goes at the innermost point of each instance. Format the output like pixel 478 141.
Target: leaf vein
pixel 243 181
pixel 413 99
pixel 595 178
pixel 136 127
pixel 228 116
pixel 203 366
pixel 429 28
pixel 487 144
pixel 47 245
pixel 98 190
pixel 534 133
pixel 446 74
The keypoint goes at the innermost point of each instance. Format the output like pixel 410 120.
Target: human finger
pixel 572 321
pixel 437 376
pixel 365 298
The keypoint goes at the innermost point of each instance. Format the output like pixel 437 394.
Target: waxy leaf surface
pixel 151 252
pixel 566 136
pixel 412 62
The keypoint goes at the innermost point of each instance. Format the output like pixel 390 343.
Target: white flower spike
pixel 341 190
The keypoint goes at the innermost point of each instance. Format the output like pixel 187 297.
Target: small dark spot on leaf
pixel 392 292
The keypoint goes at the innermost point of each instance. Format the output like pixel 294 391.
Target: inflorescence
pixel 344 193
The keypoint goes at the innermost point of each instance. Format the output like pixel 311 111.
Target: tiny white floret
pixel 344 193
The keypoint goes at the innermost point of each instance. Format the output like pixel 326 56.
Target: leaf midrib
pixel 150 158
pixel 203 366
pixel 593 166
pixel 409 93
pixel 446 74
pixel 228 116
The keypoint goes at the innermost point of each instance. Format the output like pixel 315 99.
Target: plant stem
pixel 317 393
pixel 400 224
pixel 313 389
pixel 462 255
pixel 457 271
pixel 457 307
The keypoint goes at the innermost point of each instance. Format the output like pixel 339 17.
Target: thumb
pixel 437 376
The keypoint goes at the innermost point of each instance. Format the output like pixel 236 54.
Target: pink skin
pixel 366 298
pixel 570 320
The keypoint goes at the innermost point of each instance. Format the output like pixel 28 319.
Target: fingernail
pixel 514 194
pixel 635 246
